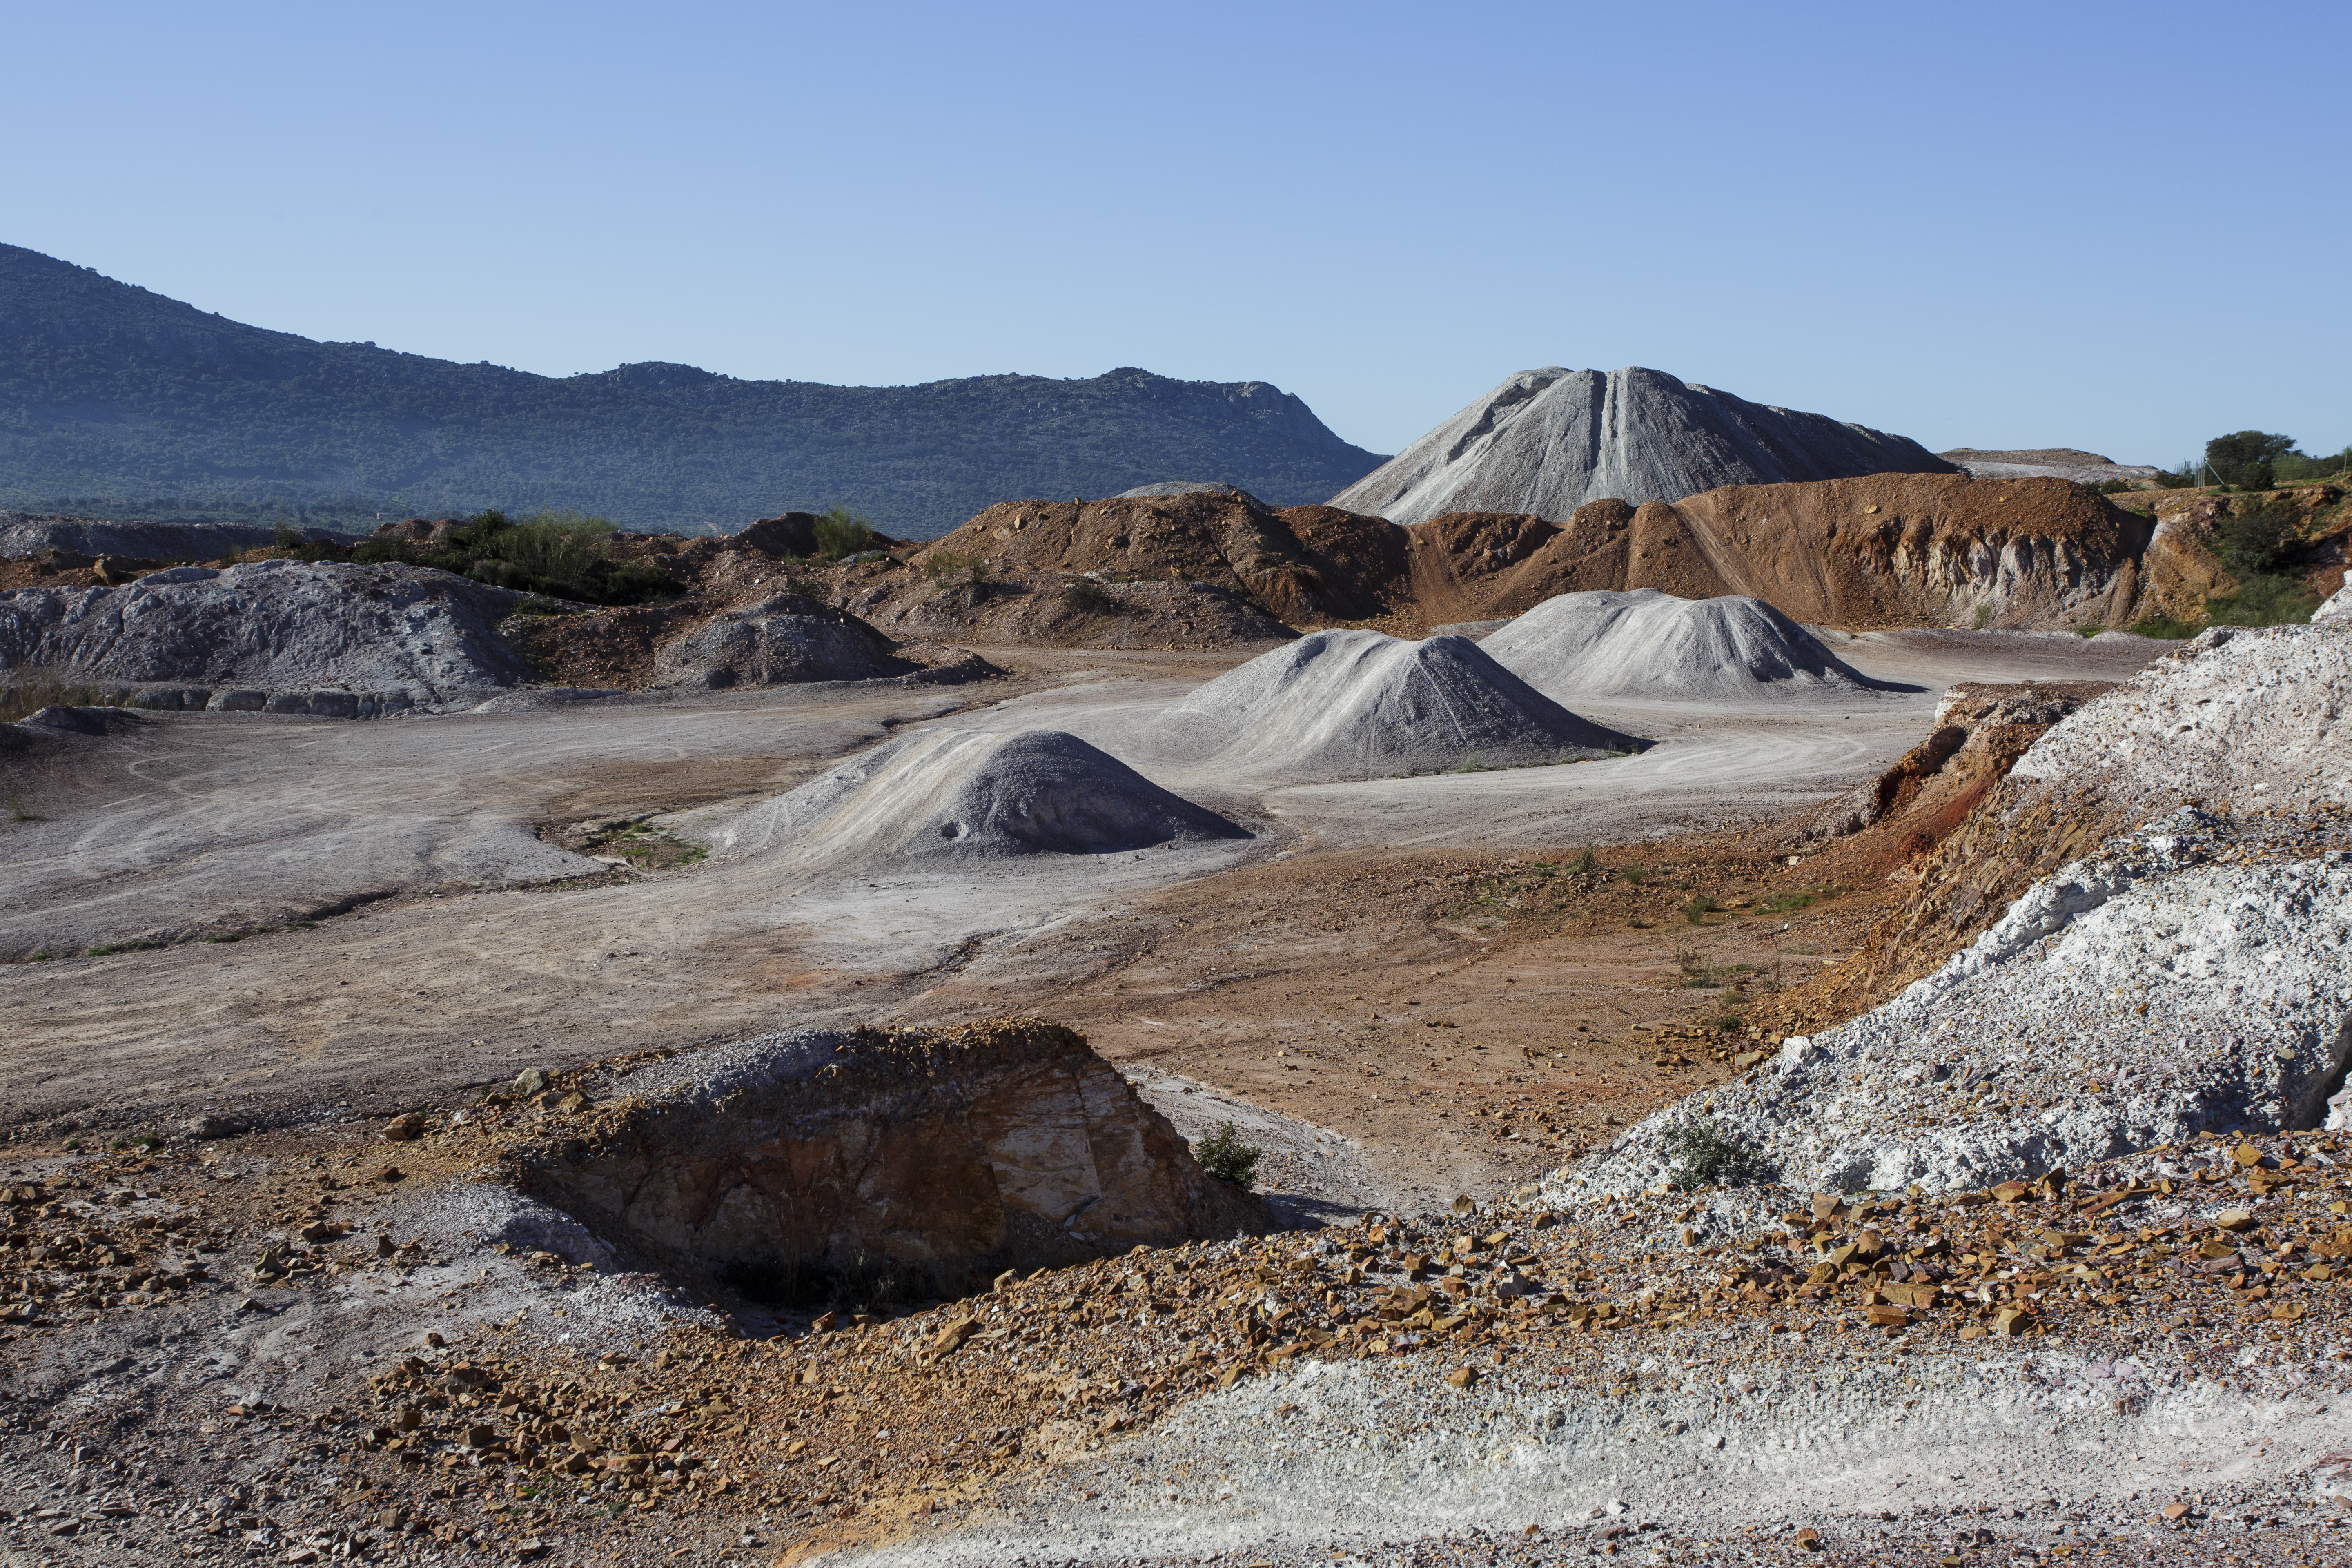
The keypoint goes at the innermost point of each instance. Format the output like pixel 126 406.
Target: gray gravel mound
pixel 778 641
pixel 2047 463
pixel 21 536
pixel 1547 441
pixel 1650 645
pixel 1186 488
pixel 2254 716
pixel 274 636
pixel 942 796
pixel 2339 603
pixel 2132 1001
pixel 1359 705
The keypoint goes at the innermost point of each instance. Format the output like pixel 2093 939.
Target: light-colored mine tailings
pixel 777 641
pixel 1650 645
pixel 1359 705
pixel 1547 441
pixel 277 636
pixel 944 796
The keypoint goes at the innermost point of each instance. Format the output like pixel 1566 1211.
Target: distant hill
pixel 109 391
pixel 1547 441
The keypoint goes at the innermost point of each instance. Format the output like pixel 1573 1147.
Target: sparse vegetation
pixel 842 532
pixel 1699 909
pixel 957 575
pixel 1087 598
pixel 27 691
pixel 2164 627
pixel 1983 617
pixel 19 811
pixel 1702 1155
pixel 1583 865
pixel 557 555
pixel 1225 1156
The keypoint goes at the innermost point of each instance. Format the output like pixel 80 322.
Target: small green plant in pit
pixel 1983 617
pixel 1633 874
pixel 1581 865
pixel 1724 1022
pixel 19 811
pixel 1087 598
pixel 956 576
pixel 1783 903
pixel 1699 909
pixel 1225 1156
pixel 2164 627
pixel 1702 1155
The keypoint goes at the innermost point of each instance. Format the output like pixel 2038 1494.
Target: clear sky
pixel 2117 227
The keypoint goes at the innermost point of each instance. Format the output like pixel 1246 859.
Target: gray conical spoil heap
pixel 1547 441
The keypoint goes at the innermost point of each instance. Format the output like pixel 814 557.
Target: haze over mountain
pixel 1547 441
pixel 107 389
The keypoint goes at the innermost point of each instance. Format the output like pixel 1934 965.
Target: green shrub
pixel 2254 542
pixel 1983 617
pixel 1225 1156
pixel 1087 598
pixel 1583 863
pixel 1702 1155
pixel 2111 487
pixel 2164 627
pixel 958 576
pixel 1699 909
pixel 841 531
pixel 2264 601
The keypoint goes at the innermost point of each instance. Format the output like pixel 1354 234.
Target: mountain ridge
pixel 108 388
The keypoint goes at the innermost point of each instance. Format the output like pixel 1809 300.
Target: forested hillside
pixel 111 391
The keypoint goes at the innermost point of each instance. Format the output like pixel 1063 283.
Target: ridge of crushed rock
pixel 241 636
pixel 774 641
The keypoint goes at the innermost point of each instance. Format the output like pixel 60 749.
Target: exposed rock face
pixel 2239 719
pixel 939 1155
pixel 1547 441
pixel 1980 732
pixel 1357 705
pixel 2132 1001
pixel 274 636
pixel 946 795
pixel 777 641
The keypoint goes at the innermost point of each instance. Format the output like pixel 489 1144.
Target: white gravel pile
pixel 2338 604
pixel 777 642
pixel 1650 646
pixel 2251 716
pixel 274 636
pixel 1359 705
pixel 941 796
pixel 2133 1000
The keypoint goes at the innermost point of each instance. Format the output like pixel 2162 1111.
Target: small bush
pixel 2253 543
pixel 2111 487
pixel 1583 863
pixel 2089 629
pixel 1086 597
pixel 1702 1155
pixel 285 536
pixel 1633 874
pixel 1225 1156
pixel 1699 909
pixel 2264 601
pixel 958 576
pixel 2163 627
pixel 1983 617
pixel 841 531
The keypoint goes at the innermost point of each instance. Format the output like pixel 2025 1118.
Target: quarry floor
pixel 1406 989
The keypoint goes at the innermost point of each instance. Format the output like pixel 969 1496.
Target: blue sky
pixel 2121 227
